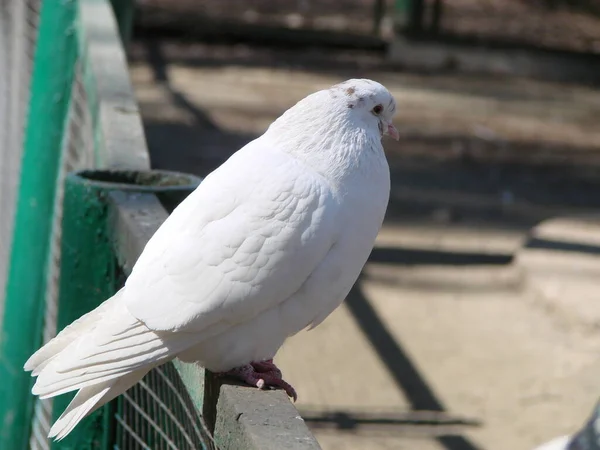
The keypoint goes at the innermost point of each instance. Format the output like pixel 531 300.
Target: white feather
pixel 44 355
pixel 91 398
pixel 117 344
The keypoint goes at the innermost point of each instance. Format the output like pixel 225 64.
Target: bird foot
pixel 262 374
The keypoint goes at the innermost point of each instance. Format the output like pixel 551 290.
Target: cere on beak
pixel 392 131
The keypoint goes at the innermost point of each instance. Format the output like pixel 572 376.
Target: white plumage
pixel 269 244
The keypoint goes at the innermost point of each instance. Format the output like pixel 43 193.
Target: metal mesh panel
pixel 18 33
pixel 78 153
pixel 158 414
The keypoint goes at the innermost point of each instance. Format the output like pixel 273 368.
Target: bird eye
pixel 377 109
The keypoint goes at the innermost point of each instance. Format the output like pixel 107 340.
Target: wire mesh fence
pixel 77 153
pixel 158 413
pixel 18 34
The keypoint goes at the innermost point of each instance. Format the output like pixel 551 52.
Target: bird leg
pixel 262 374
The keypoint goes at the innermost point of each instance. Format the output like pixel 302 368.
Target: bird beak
pixel 392 131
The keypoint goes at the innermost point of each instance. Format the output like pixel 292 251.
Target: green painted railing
pixel 52 77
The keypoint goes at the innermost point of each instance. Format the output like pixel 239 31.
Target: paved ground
pixel 443 343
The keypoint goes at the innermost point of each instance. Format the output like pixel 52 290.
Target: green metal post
pixel 378 14
pixel 436 16
pixel 124 10
pixel 88 277
pixel 24 302
pixel 401 13
pixel 409 15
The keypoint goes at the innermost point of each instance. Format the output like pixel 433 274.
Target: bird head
pixel 368 102
pixel 339 129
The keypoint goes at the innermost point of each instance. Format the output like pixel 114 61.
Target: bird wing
pixel 242 243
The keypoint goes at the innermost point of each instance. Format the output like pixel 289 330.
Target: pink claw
pixel 263 375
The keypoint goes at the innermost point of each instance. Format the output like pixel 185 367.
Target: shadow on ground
pixel 431 184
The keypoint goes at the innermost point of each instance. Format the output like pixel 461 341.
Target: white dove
pixel 269 244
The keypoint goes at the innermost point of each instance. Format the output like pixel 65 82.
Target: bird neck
pixel 332 146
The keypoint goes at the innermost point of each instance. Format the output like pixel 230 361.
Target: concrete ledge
pixel 561 265
pixel 241 417
pixel 246 418
pixel 118 125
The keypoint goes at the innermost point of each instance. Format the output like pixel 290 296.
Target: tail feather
pixel 53 383
pixel 102 355
pixel 83 403
pixel 89 399
pixel 40 359
pixel 74 369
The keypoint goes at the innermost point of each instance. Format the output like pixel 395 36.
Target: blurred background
pixel 474 324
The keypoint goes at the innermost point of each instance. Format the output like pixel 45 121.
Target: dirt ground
pixel 440 345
